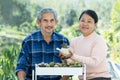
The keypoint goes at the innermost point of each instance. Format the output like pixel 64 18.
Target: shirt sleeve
pixel 99 52
pixel 67 42
pixel 23 59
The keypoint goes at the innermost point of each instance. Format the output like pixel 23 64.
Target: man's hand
pixel 65 78
pixel 21 75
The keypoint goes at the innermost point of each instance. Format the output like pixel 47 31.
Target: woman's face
pixel 87 24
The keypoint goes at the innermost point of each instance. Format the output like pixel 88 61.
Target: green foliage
pixel 70 17
pixel 115 33
pixel 8 63
pixel 10 40
pixel 115 16
pixel 115 56
pixel 58 28
pixel 14 12
pixel 72 32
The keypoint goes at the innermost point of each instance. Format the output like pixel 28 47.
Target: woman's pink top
pixel 92 51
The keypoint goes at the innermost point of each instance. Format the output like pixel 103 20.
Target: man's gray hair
pixel 46 10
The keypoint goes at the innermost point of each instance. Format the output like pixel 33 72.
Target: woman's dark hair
pixel 91 13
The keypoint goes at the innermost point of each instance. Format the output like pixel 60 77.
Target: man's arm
pixel 65 77
pixel 21 75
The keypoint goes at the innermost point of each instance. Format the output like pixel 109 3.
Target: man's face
pixel 47 23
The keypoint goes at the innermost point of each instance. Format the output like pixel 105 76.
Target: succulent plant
pixel 58 64
pixel 51 64
pixel 63 64
pixel 75 64
pixel 42 64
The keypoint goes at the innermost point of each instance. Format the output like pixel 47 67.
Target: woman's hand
pixel 65 56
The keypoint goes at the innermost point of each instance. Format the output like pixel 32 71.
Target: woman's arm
pixel 97 55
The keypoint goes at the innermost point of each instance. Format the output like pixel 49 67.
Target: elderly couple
pixel 40 46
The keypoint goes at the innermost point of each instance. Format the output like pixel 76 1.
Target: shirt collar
pixel 53 38
pixel 89 36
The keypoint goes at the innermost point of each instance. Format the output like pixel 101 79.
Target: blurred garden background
pixel 18 19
